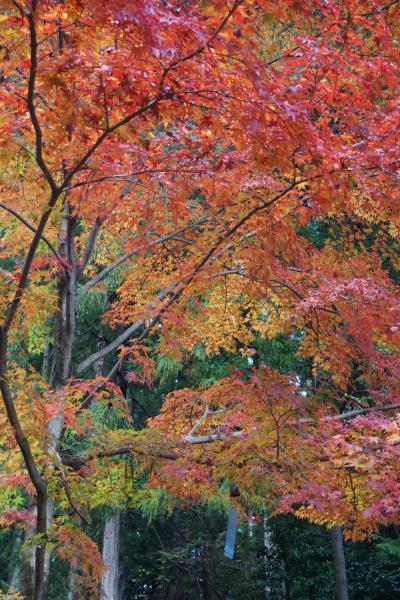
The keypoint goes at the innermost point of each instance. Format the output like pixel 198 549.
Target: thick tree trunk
pixel 339 563
pixel 110 556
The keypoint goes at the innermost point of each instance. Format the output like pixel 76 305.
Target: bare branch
pixel 31 227
pixel 86 519
pixel 110 377
pixel 380 10
pixel 30 100
pixel 351 414
pixel 124 121
pixel 199 422
pixel 90 244
pixel 110 347
pixel 174 296
pixel 79 461
pixel 205 439
pixel 107 270
pixel 153 102
pixel 214 437
pixel 129 177
pixel 201 49
pixel 13 419
pixel 285 55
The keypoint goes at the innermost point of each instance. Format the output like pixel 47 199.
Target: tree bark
pixel 62 357
pixel 73 588
pixel 271 551
pixel 21 576
pixel 65 328
pixel 46 362
pixel 37 479
pixel 15 571
pixel 339 563
pixel 111 545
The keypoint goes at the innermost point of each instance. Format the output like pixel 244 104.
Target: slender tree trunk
pixel 68 276
pixel 271 551
pixel 24 577
pixel 41 575
pixel 46 362
pixel 268 546
pixel 73 588
pixel 339 563
pixel 34 572
pixel 110 556
pixel 38 481
pixel 15 571
pixel 65 328
pixel 23 573
pixel 21 576
pixel 65 333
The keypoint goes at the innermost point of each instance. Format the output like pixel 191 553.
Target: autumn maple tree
pixel 171 154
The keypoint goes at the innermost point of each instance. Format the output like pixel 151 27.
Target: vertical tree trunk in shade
pixel 60 372
pixel 23 574
pixel 268 545
pixel 271 551
pixel 339 563
pixel 110 556
pixel 65 333
pixel 73 588
pixel 46 362
pixel 65 326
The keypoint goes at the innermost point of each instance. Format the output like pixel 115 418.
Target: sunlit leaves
pixel 205 140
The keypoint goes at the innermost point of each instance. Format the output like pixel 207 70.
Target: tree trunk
pixel 46 362
pixel 15 570
pixel 32 577
pixel 110 556
pixel 21 577
pixel 65 331
pixel 24 573
pixel 273 555
pixel 339 563
pixel 65 328
pixel 73 588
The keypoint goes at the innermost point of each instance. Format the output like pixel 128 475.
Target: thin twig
pixel 31 227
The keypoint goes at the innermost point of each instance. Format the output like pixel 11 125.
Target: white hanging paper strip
pixel 231 534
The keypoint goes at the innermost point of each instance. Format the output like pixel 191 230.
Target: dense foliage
pixel 199 270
